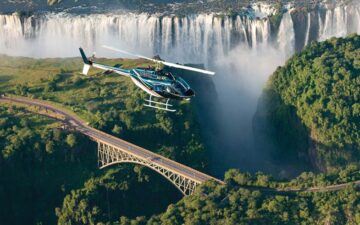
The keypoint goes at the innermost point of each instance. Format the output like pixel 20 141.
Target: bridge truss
pixel 109 155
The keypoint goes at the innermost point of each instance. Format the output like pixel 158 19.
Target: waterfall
pixel 339 22
pixel 307 36
pixel 286 36
pixel 196 37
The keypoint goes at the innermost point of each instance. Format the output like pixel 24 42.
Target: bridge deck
pixel 82 126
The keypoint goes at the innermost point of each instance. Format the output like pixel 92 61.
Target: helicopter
pixel 153 80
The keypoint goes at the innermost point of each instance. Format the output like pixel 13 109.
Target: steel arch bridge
pixel 112 150
pixel 109 155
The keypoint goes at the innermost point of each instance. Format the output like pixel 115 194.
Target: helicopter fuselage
pixel 158 83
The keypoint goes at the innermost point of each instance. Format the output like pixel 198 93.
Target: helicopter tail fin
pixel 87 62
pixel 85 59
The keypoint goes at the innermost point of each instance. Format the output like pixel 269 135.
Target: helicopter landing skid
pixel 159 105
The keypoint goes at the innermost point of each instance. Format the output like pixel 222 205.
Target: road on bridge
pixel 97 135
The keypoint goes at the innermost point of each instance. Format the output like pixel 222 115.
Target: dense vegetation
pixel 39 162
pixel 64 165
pixel 232 204
pixel 243 201
pixel 312 104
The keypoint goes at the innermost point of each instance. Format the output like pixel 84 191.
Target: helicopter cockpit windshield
pixel 169 75
pixel 183 83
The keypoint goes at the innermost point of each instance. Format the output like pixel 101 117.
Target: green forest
pixel 311 106
pixel 238 203
pixel 49 175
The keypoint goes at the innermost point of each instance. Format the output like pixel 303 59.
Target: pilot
pixel 168 89
pixel 167 74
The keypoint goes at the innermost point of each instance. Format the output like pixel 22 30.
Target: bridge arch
pixel 109 155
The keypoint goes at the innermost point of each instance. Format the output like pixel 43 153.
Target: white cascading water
pixel 307 35
pixel 335 23
pixel 286 36
pixel 56 35
pixel 339 22
pixel 204 35
pixel 243 50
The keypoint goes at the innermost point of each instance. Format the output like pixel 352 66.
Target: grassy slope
pixel 103 100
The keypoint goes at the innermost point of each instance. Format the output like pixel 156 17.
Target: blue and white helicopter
pixel 154 81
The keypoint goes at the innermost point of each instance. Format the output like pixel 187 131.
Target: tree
pixel 49 147
pixel 117 129
pixel 71 140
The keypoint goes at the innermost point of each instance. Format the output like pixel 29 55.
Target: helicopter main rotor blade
pixel 128 53
pixel 187 68
pixel 175 65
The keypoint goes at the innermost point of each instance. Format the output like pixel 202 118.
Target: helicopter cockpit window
pixel 183 83
pixel 168 74
pixel 178 87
